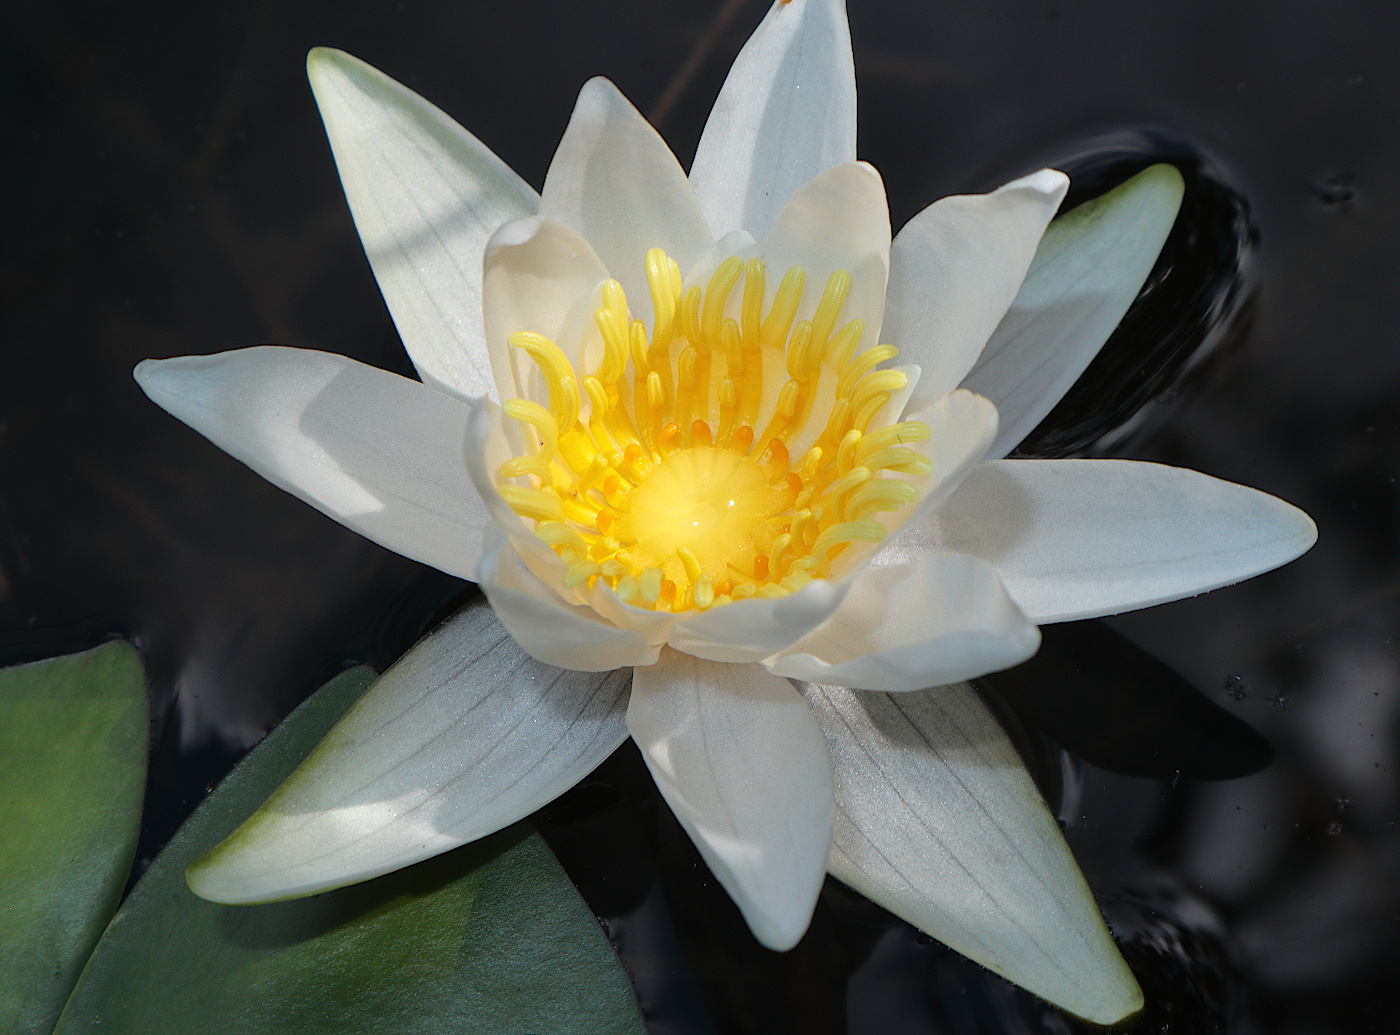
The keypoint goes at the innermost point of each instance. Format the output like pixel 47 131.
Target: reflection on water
pixel 178 197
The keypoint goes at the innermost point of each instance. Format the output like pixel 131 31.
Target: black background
pixel 168 190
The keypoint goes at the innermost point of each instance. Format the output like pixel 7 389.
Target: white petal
pixel 1082 538
pixel 749 630
pixel 940 618
pixel 549 630
pixel 786 113
pixel 1090 265
pixel 955 269
pixel 616 182
pixel 962 425
pixel 464 735
pixel 491 440
pixel 541 277
pixel 379 453
pixel 938 821
pixel 426 195
pixel 653 625
pixel 838 221
pixel 738 758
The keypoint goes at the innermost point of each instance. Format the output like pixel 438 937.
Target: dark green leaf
pixel 72 773
pixel 489 938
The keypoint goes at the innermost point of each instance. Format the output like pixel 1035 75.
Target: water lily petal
pixel 380 453
pixel 937 619
pixel 961 426
pixel 786 113
pixel 654 625
pixel 550 630
pixel 541 277
pixel 464 735
pixel 738 758
pixel 955 269
pixel 491 440
pixel 838 221
pixel 616 182
pixel 938 821
pixel 1090 265
pixel 426 195
pixel 1082 538
pixel 750 630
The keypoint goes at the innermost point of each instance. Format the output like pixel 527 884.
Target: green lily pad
pixel 73 744
pixel 491 937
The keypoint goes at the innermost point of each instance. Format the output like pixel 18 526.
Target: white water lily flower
pixel 664 433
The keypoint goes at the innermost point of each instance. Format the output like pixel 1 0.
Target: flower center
pixel 703 510
pixel 659 490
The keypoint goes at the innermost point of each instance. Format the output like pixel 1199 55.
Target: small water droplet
pixel 1334 829
pixel 1234 686
pixel 1334 191
pixel 1342 803
pixel 1278 700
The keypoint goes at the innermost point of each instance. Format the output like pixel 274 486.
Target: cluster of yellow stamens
pixel 663 489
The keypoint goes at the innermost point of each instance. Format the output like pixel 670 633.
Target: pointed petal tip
pixel 778 933
pixel 224 875
pixel 145 372
pixel 1120 1002
pixel 514 234
pixel 1161 185
pixel 1050 182
pixel 1305 528
pixel 210 878
pixel 1107 998
pixel 1166 175
pixel 161 379
pixel 323 62
pixel 318 56
pixel 600 84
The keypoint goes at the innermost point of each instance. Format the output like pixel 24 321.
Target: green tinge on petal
pixel 489 938
pixel 1089 267
pixel 73 744
pixel 938 821
pixel 463 736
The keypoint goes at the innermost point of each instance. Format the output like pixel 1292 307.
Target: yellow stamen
pixel 658 490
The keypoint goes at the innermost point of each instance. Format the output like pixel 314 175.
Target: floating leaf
pixel 491 937
pixel 73 744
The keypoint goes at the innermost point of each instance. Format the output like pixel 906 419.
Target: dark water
pixel 169 190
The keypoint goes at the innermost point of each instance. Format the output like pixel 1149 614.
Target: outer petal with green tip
pixel 938 821
pixel 1089 267
pixel 463 736
pixel 490 938
pixel 426 196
